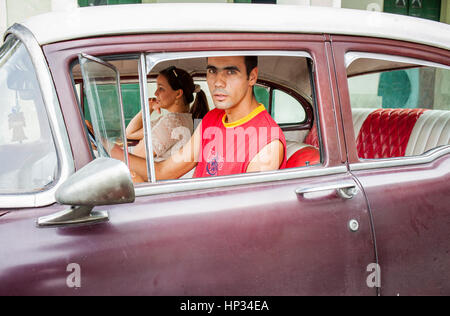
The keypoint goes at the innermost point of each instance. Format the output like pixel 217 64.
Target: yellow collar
pixel 243 120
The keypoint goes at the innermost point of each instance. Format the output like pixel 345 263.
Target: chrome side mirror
pixel 104 181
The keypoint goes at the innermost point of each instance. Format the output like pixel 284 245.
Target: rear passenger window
pixel 286 109
pixel 400 107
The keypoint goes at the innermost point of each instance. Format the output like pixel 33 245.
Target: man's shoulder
pixel 213 115
pixel 267 119
pixel 215 112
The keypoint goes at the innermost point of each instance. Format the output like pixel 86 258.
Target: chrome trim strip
pixel 57 126
pixel 154 59
pixel 236 180
pixel 146 121
pixel 352 56
pixel 401 161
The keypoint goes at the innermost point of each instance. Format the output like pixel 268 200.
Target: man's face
pixel 228 81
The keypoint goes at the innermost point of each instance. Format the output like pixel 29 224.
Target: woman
pixel 174 93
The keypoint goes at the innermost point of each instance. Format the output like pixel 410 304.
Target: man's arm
pixel 269 158
pixel 182 161
pixel 176 166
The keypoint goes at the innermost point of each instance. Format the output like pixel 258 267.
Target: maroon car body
pixel 288 232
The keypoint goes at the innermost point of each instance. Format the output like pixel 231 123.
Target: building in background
pixel 12 11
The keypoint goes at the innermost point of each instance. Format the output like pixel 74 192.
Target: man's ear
pixel 253 76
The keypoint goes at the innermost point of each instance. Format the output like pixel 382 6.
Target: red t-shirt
pixel 228 148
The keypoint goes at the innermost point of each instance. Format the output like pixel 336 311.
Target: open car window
pixel 400 107
pixel 283 88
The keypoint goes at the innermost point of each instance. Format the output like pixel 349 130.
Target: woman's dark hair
pixel 180 79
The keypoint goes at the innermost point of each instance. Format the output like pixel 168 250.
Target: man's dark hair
pixel 251 62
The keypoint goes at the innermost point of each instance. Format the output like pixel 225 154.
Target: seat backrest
pixel 431 130
pixel 388 133
pixel 303 157
pixel 385 133
pixel 312 138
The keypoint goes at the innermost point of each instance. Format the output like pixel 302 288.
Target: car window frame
pixel 182 185
pixel 389 50
pixel 303 101
pixel 55 119
pixel 152 59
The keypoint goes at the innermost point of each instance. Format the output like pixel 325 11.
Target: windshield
pixel 28 160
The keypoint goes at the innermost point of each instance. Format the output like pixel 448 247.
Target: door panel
pixel 410 206
pixel 409 197
pixel 258 240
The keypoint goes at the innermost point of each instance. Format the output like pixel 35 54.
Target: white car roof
pixel 162 18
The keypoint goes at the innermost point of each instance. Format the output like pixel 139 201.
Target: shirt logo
pixel 215 163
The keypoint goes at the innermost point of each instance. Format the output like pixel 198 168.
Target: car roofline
pixel 255 18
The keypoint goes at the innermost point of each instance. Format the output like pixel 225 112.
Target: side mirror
pixel 104 181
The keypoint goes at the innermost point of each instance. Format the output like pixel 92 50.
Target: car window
pixel 286 109
pixel 28 159
pixel 104 99
pixel 302 143
pixel 400 111
pixel 262 94
pixel 130 96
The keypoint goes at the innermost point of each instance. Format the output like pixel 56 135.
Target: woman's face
pixel 165 95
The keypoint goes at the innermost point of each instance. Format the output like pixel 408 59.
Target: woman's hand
pixel 154 105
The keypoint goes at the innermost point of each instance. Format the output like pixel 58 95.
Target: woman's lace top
pixel 170 132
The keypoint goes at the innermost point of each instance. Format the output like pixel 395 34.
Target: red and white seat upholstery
pixel 431 130
pixel 385 133
pixel 382 133
pixel 388 133
pixel 301 155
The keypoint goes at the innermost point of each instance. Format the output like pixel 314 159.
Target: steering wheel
pixel 91 135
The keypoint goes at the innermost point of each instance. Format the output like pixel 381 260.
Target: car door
pixel 403 163
pixel 289 232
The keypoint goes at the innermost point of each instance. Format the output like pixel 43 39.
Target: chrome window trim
pixel 61 139
pixel 146 121
pixel 154 58
pixel 188 185
pixel 428 157
pixel 350 57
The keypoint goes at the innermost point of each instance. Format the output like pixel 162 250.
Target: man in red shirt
pixel 238 136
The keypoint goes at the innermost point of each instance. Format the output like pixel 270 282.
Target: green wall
pixel 445 11
pixel 85 3
pixel 430 9
pixel 360 4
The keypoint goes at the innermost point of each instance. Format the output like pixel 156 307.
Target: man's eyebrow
pixel 232 68
pixel 224 68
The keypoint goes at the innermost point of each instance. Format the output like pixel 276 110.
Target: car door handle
pixel 344 190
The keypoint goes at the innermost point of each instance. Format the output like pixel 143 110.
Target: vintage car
pixel 363 207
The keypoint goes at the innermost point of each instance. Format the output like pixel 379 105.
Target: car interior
pixel 399 109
